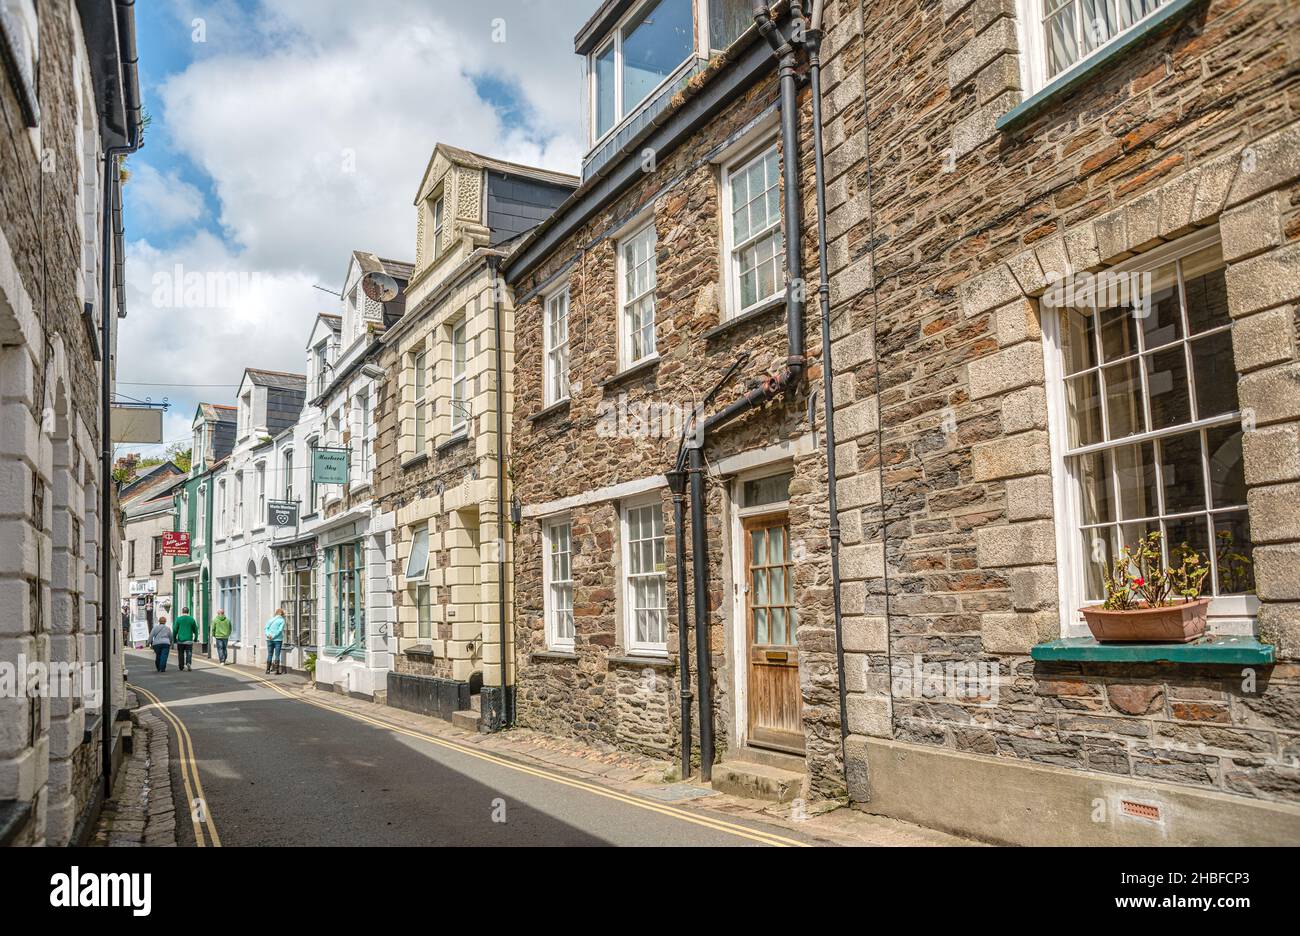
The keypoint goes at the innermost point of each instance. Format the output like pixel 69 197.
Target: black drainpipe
pixel 771 387
pixel 677 484
pixel 828 393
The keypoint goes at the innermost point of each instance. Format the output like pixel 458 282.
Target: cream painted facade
pixel 438 472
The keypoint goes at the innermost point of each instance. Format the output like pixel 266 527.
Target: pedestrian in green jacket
pixel 187 631
pixel 221 633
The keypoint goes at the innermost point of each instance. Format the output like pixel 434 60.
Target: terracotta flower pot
pixel 1177 623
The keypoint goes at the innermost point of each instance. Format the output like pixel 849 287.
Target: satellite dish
pixel 379 286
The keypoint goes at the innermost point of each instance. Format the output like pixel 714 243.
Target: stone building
pixel 69 95
pixel 1001 437
pixel 147 504
pixel 668 283
pixel 438 443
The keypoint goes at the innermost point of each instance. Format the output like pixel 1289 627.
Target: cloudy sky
pixel 285 134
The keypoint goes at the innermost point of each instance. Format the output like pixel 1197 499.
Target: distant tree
pixel 181 457
pixel 131 465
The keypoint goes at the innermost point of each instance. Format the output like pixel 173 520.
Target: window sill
pixel 1086 70
pixel 778 302
pixel 646 366
pixel 415 460
pixel 552 655
pixel 1232 650
pixel 642 659
pixel 561 406
pixel 452 442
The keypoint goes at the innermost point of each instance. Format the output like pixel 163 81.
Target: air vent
pixel 1140 810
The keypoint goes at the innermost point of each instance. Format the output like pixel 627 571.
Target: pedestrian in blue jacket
pixel 274 641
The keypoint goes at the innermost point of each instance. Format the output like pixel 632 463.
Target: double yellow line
pixel 200 814
pixel 708 822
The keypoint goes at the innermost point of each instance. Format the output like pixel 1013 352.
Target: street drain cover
pixel 676 792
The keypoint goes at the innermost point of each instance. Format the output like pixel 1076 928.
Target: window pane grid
pixel 559 589
pixel 557 347
pixel 647 576
pixel 1143 470
pixel 639 304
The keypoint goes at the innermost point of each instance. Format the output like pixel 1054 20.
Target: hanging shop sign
pixel 144 587
pixel 330 465
pixel 175 543
pixel 281 513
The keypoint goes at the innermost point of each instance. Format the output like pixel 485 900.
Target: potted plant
pixel 1147 601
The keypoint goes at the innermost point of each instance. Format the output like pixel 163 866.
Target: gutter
pixel 125 10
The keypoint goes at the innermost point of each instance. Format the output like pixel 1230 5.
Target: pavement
pixel 274 761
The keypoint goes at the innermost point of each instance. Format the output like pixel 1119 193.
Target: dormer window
pixel 643 51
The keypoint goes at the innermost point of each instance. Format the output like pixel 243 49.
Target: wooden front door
pixel 774 699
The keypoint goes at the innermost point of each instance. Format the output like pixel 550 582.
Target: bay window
pixel 639 56
pixel 645 579
pixel 345 595
pixel 558 586
pixel 1149 429
pixel 556 336
pixel 637 296
pixel 753 237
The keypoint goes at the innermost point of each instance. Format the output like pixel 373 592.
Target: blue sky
pixel 287 133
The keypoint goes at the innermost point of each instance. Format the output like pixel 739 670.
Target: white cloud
pixel 314 120
pixel 165 198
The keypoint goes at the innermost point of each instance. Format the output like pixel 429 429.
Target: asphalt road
pixel 279 771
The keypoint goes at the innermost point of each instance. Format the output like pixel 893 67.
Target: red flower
pixel 1139 582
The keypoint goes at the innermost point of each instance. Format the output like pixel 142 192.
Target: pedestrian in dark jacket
pixel 160 638
pixel 186 632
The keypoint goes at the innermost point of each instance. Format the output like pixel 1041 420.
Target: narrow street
pixel 276 770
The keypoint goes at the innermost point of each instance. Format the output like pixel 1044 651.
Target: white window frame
pixel 1230 614
pixel 632 645
pixel 732 250
pixel 551 609
pixel 239 502
pixel 313 489
pixel 459 382
pixel 322 358
pixel 363 405
pixel 625 302
pixel 259 471
pixel 287 461
pixel 419 534
pixel 556 376
pixel 419 398
pixel 222 498
pixel 1031 26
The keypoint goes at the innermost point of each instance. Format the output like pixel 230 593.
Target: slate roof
pixel 280 380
